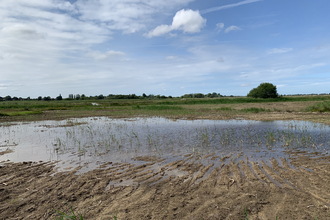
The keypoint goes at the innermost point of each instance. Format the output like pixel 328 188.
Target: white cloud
pixel 171 57
pixel 188 21
pixel 232 28
pixel 229 6
pixel 245 85
pixel 129 16
pixel 97 55
pixel 279 50
pixel 219 26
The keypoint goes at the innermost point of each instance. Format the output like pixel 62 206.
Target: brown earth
pixel 296 190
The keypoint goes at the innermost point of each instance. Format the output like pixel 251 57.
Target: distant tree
pixel 15 98
pixel 264 90
pixel 83 97
pixel 199 95
pixel 47 98
pixel 8 98
pixel 77 97
pixel 59 97
pixel 163 97
pixel 170 97
pixel 214 94
pixel 144 95
pixel 39 98
pixel 100 97
pixel 28 98
pixel 158 96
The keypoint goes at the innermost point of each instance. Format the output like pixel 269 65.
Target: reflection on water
pixel 91 141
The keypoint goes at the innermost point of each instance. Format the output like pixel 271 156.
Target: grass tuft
pixel 72 215
pixel 255 110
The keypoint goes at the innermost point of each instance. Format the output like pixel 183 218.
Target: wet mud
pixel 182 189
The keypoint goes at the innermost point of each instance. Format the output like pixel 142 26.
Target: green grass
pixel 225 109
pixel 320 107
pixel 255 110
pixel 72 215
pixel 158 107
pixel 61 215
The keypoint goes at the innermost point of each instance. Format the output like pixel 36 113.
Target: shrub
pixel 264 91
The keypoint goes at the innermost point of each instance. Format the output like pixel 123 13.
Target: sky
pixel 173 47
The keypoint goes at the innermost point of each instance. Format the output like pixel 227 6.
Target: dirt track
pixel 296 190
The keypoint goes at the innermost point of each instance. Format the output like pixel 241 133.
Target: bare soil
pixel 296 190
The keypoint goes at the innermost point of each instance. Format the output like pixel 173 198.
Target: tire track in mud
pixel 192 187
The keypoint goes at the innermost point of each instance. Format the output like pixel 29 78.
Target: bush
pixel 264 91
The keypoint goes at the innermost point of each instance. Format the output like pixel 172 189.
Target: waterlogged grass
pixel 320 107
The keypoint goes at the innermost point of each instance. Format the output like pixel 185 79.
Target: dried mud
pixel 183 189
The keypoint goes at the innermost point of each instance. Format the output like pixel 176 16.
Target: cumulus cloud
pixel 232 28
pixel 219 26
pixel 188 21
pixel 245 85
pixel 97 55
pixel 279 50
pixel 126 15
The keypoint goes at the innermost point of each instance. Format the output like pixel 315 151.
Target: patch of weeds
pixel 225 109
pixel 158 107
pixel 3 114
pixel 24 113
pixel 72 215
pixel 255 110
pixel 319 107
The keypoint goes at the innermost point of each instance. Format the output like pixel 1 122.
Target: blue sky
pixel 174 47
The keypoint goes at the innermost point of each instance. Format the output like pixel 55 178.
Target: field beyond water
pixel 310 108
pixel 225 158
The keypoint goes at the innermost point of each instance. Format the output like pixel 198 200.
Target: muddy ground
pixel 298 189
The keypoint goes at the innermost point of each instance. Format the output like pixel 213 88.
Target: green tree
pixel 264 91
pixel 39 98
pixel 8 98
pixel 59 97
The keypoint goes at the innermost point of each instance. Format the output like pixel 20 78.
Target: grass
pixel 207 108
pixel 61 215
pixel 72 215
pixel 320 107
pixel 158 107
pixel 254 110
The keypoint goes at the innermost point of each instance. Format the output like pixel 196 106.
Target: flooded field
pixel 140 167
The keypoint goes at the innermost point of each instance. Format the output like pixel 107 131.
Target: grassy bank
pixel 207 108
